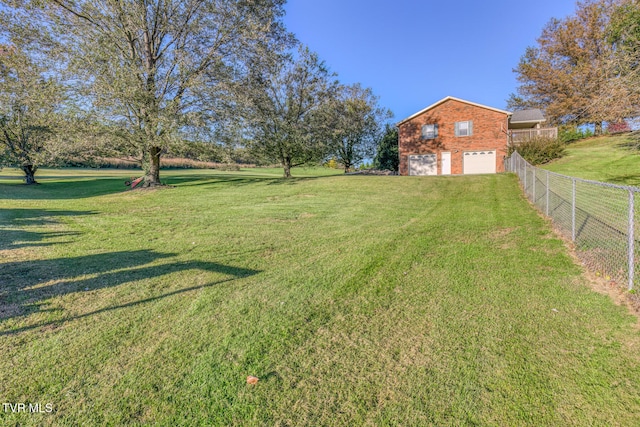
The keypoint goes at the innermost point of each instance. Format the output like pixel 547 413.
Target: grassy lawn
pixel 355 300
pixel 600 159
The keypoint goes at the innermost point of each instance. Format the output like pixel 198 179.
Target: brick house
pixel 453 136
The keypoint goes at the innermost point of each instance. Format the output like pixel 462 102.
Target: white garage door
pixel 479 162
pixel 423 164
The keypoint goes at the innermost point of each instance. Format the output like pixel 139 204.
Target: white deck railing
pixel 524 135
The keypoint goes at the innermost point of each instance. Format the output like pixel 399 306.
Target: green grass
pixel 600 159
pixel 356 301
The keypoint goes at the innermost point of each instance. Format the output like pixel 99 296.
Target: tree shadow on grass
pixel 76 188
pixel 294 180
pixel 113 307
pixel 199 180
pixel 14 238
pixel 26 286
pixel 66 188
pixel 628 179
pixel 632 144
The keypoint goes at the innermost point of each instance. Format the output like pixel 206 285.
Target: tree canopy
pixel 578 72
pixel 29 102
pixel 151 71
pixel 387 150
pixel 144 78
pixel 282 109
pixel 356 122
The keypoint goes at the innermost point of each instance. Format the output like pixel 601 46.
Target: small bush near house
pixel 540 150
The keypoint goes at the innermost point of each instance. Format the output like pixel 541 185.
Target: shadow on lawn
pixel 197 180
pixel 628 179
pixel 72 187
pixel 24 286
pixel 14 238
pixel 75 188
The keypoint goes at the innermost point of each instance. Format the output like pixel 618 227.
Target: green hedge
pixel 539 150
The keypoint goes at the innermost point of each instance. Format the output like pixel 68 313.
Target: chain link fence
pixel 601 219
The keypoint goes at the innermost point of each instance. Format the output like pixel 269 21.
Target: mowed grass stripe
pixel 355 300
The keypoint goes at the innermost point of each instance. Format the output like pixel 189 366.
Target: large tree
pixel 356 123
pixel 624 66
pixel 150 69
pixel 282 109
pixel 566 74
pixel 29 102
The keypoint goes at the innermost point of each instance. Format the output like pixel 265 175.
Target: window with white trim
pixel 464 128
pixel 429 131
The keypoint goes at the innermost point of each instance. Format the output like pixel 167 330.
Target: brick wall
pixel 489 132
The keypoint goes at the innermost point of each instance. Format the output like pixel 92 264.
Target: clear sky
pixel 414 53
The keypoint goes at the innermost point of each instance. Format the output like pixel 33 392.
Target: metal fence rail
pixel 600 218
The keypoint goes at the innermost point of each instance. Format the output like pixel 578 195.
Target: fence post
pixel 533 190
pixel 573 210
pixel 547 195
pixel 525 178
pixel 521 169
pixel 631 237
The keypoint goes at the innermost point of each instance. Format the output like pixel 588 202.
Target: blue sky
pixel 413 53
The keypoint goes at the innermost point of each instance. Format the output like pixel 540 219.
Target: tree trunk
pixel 29 174
pixel 598 129
pixel 286 165
pixel 152 172
pixel 347 167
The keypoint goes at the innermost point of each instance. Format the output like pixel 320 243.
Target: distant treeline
pixel 165 163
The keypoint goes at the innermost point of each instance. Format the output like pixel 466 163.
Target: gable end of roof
pixel 450 98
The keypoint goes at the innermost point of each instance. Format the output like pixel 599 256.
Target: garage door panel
pixel 483 161
pixel 423 164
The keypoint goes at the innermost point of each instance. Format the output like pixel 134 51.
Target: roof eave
pixel 529 121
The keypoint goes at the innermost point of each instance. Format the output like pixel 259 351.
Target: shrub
pixel 387 152
pixel 332 163
pixel 365 166
pixel 569 134
pixel 618 127
pixel 539 150
pixel 229 167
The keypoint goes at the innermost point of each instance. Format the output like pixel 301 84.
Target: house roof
pixel 534 115
pixel 450 98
